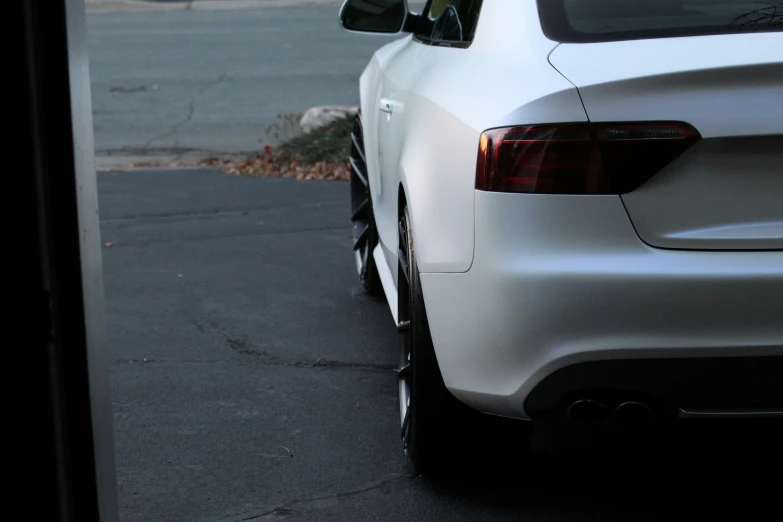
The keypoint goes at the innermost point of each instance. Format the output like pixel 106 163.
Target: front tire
pixel 441 435
pixel 365 235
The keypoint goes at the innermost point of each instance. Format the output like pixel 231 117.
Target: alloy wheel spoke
pixel 359 171
pixel 404 267
pixel 361 241
pixel 359 147
pixel 402 251
pixel 365 257
pixel 361 211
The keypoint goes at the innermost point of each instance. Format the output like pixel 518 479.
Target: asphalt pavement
pixel 211 81
pixel 253 380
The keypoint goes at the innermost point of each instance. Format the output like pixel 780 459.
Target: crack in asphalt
pixel 191 110
pixel 290 508
pixel 175 128
pixel 147 360
pixel 245 347
pixel 128 90
pixel 248 348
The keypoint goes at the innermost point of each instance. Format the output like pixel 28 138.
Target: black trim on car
pixel 441 43
pixel 555 24
pixel 666 385
pixel 454 44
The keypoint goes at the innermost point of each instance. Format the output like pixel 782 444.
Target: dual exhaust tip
pixel 588 411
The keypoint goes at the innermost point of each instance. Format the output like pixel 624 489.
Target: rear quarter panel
pixel 503 78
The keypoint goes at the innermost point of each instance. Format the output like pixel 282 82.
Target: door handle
pixel 386 105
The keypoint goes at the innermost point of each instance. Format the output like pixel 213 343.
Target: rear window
pixel 582 21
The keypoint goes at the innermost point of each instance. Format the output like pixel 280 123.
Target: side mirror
pixel 374 16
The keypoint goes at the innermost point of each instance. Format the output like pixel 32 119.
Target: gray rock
pixel 316 117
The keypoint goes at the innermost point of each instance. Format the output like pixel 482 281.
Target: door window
pixel 452 22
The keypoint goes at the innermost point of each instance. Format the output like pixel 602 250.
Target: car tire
pixel 365 234
pixel 442 437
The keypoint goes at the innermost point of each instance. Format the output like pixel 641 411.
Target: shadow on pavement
pixel 709 472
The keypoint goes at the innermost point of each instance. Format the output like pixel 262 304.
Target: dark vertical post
pixel 59 437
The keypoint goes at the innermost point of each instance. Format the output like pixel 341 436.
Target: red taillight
pixel 578 158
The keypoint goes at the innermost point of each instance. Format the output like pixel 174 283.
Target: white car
pixel 574 209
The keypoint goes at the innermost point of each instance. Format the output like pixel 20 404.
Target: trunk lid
pixel 725 192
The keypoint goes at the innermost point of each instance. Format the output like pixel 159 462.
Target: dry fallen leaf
pixel 265 166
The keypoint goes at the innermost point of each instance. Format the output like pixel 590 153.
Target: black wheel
pixel 365 235
pixel 441 435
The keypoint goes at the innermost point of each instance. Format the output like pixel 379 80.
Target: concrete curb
pixel 106 160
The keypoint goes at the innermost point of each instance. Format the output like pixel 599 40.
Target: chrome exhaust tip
pixel 586 411
pixel 632 413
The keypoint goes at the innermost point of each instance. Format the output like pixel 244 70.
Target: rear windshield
pixel 581 21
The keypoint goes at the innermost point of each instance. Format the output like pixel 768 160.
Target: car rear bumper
pixel 561 280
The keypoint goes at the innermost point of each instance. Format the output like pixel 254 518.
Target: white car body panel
pixel 517 286
pixel 387 282
pixel 438 176
pixel 562 293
